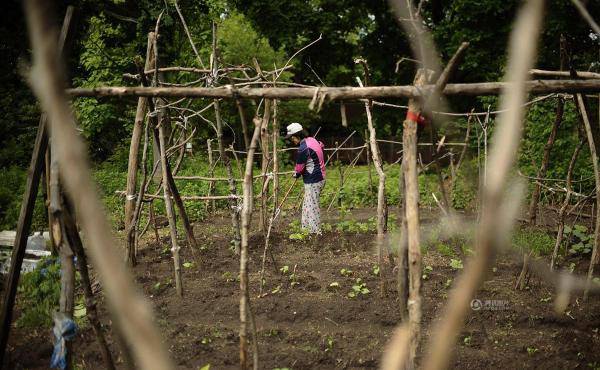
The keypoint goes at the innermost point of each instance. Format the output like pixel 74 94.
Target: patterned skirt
pixel 311 212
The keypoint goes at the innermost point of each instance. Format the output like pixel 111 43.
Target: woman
pixel 310 164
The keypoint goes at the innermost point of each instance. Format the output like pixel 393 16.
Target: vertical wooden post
pixel 560 105
pixel 138 126
pixel 27 206
pixel 369 161
pixel 248 197
pixel 411 186
pixel 235 215
pixel 382 210
pixel 23 226
pixel 90 303
pixel 187 226
pixel 210 204
pixel 67 267
pixel 275 156
pixel 160 135
pixel 240 109
pixel 563 209
pixel 588 129
pixel 341 174
pixel 264 141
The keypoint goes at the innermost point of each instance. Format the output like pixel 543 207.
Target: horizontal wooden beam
pixel 337 93
pixel 565 74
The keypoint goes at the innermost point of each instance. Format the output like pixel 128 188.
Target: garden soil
pixel 307 320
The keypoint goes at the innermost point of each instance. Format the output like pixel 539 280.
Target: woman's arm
pixel 301 159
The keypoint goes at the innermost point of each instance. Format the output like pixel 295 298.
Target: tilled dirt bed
pixel 307 320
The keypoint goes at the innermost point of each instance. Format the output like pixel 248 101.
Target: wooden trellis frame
pixel 135 324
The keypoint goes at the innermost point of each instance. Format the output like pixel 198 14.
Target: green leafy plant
pixel 359 288
pixel 329 344
pixel 300 235
pixel 376 270
pixel 583 242
pixel 39 292
pixel 426 271
pixel 345 272
pixel 456 264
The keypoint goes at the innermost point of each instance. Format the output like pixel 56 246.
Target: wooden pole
pixel 132 235
pixel 130 311
pixel 411 188
pixel 338 93
pixel 563 209
pixel 245 218
pixel 264 141
pixel 159 135
pixel 90 303
pixel 341 174
pixel 240 109
pixel 27 206
pixel 275 144
pixel 560 105
pixel 23 226
pixel 211 170
pixel 369 161
pixel 233 207
pixel 582 109
pixel 138 126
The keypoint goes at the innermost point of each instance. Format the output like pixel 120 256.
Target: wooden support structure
pixel 265 159
pixel 338 93
pixel 411 194
pixel 563 209
pixel 560 107
pixel 136 136
pixel 233 206
pixel 210 206
pixel 23 226
pixel 72 234
pixel 247 206
pixel 382 207
pixel 583 114
pixel 38 159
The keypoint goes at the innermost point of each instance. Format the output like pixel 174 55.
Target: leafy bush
pixel 533 239
pixel 582 241
pixel 38 294
pixel 12 188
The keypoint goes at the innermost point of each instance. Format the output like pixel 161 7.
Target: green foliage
pixel 240 43
pixel 582 241
pixel 359 288
pixel 533 239
pixel 456 264
pixel 12 188
pixel 38 294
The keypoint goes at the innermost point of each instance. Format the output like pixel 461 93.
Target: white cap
pixel 293 128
